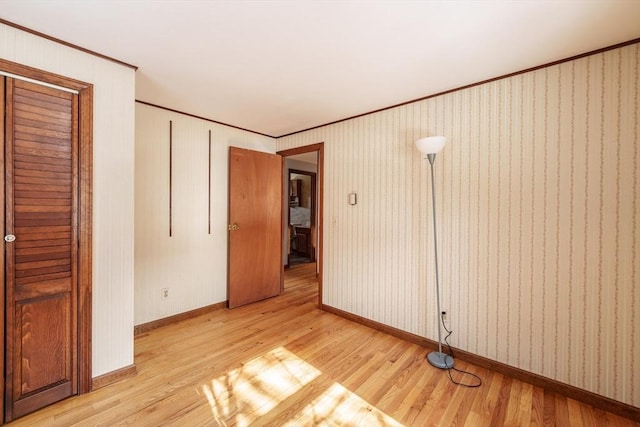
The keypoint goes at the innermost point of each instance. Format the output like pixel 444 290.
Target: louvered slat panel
pixel 37 201
pixel 30 115
pixel 43 151
pixel 39 243
pixel 42 253
pixel 43 142
pixel 29 97
pixel 26 120
pixel 42 206
pixel 42 188
pixel 42 194
pixel 25 170
pixel 46 109
pixel 48 221
pixel 21 281
pixel 58 164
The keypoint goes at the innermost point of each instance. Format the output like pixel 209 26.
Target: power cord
pixel 450 368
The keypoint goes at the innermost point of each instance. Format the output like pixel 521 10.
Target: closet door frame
pixel 85 210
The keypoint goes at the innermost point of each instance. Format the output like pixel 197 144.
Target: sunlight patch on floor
pixel 339 406
pixel 244 394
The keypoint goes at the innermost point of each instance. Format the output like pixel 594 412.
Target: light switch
pixel 353 198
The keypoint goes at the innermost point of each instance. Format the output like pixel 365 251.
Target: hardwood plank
pixel 459 406
pixel 501 402
pixel 536 415
pixel 436 402
pixel 283 361
pixel 562 412
pixel 415 397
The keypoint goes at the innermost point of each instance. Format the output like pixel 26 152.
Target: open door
pixel 255 226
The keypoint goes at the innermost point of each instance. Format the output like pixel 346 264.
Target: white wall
pixel 191 263
pixel 538 217
pixel 113 133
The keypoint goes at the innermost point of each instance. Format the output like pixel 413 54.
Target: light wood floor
pixel 284 362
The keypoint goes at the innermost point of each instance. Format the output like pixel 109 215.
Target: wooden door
pixel 41 203
pixel 255 226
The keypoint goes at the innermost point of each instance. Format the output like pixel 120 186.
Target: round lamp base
pixel 440 360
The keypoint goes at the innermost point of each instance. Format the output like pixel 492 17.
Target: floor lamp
pixel 430 146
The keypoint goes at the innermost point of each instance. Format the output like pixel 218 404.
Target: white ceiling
pixel 277 67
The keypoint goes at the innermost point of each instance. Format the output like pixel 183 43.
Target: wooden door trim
pixel 319 148
pixel 43 76
pixel 2 254
pixel 85 209
pixel 85 236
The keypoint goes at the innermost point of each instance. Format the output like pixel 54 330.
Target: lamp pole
pixel 437 359
pixel 430 146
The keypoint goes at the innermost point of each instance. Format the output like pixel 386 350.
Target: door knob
pixel 9 238
pixel 233 227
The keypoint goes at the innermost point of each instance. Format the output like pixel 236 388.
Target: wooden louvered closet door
pixel 41 202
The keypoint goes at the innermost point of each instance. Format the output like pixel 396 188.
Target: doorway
pixel 302 242
pixel 302 216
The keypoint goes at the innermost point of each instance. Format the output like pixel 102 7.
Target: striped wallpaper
pixel 538 220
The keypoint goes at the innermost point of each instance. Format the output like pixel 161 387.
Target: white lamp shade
pixel 431 144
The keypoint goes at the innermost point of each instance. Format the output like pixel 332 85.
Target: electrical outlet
pixel 444 316
pixel 165 293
